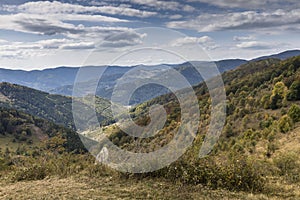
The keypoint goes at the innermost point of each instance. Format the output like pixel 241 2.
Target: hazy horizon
pixel 41 68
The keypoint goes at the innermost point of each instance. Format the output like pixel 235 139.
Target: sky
pixel 47 34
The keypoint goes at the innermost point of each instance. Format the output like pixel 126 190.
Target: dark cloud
pixel 119 36
pixel 122 39
pixel 45 27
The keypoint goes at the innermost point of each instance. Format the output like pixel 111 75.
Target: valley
pixel 256 157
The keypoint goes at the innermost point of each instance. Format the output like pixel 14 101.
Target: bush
pixel 285 124
pixel 294 113
pixel 265 101
pixel 294 91
pixel 56 165
pixel 35 172
pixel 275 101
pixel 278 96
pixel 239 174
pixel 288 166
pixel 3 164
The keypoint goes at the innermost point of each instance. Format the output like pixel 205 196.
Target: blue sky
pixel 43 34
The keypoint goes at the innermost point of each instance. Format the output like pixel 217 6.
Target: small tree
pixel 294 113
pixel 265 101
pixel 278 95
pixel 285 124
pixel 294 91
pixel 275 102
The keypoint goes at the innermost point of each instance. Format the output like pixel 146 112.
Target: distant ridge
pixel 60 80
pixel 282 56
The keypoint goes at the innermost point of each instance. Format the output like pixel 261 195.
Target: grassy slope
pixel 107 188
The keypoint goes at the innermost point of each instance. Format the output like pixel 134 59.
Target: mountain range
pixel 61 80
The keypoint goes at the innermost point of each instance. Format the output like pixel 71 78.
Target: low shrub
pixel 35 172
pixel 285 124
pixel 288 166
pixel 294 113
pixel 239 174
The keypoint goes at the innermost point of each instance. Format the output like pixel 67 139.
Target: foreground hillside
pixel 257 156
pixel 107 188
pixel 259 96
pixel 260 138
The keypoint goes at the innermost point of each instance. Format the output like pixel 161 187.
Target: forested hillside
pixel 55 108
pixel 258 151
pixel 263 114
pixel 266 87
pixel 19 130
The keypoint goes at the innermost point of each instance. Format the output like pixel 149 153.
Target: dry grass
pixel 108 188
pixel 290 142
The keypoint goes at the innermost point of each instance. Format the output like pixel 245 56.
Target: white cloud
pixel 258 45
pixel 37 24
pixel 19 50
pixel 55 7
pixel 107 38
pixel 90 18
pixel 205 41
pixel 257 4
pixel 68 44
pixel 243 38
pixel 177 16
pixel 164 5
pixel 50 44
pixel 3 41
pixel 188 8
pixel 79 45
pixel 248 20
pixel 233 3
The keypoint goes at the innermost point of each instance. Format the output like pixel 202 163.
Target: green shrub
pixel 294 113
pixel 238 173
pixel 265 101
pixel 288 166
pixel 278 96
pixel 294 91
pixel 3 164
pixel 28 168
pixel 275 101
pixel 272 147
pixel 285 124
pixel 35 172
